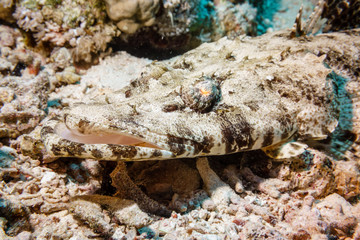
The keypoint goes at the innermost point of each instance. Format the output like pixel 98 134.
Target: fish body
pixel 223 97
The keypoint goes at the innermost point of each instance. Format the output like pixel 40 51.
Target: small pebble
pixel 203 214
pixel 48 177
pixel 208 204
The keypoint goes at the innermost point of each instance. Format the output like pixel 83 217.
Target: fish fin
pixel 345 140
pixel 328 16
pixel 341 15
pixel 297 29
pixel 285 150
pixel 312 25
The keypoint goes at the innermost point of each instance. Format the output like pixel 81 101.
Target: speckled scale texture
pixel 272 89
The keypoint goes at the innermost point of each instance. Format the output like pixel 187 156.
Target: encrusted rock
pixel 68 76
pixel 335 210
pixel 22 113
pixel 347 178
pixel 92 214
pixel 7 35
pixel 89 209
pixel 61 58
pixel 6 95
pixel 131 15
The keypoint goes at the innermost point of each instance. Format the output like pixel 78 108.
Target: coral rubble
pixel 78 25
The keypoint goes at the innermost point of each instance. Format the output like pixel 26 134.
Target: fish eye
pixel 202 96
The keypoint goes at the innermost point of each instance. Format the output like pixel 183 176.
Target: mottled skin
pixel 272 89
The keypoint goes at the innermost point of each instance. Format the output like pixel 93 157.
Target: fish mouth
pixel 116 138
pixel 61 141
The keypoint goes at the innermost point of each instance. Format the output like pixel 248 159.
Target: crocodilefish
pixel 273 92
